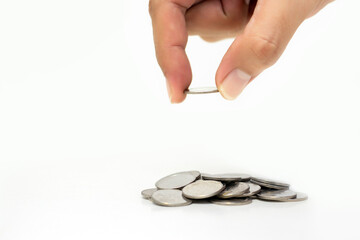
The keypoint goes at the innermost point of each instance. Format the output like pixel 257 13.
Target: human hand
pixel 262 30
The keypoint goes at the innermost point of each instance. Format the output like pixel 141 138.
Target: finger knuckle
pixel 265 50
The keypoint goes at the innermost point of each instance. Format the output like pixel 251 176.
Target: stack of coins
pixel 185 188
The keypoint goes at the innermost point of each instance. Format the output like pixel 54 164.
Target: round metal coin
pixel 202 189
pixel 276 195
pixel 170 198
pixel 177 180
pixel 232 201
pixel 299 197
pixel 147 193
pixel 254 189
pixel 227 177
pixel 196 174
pixel 201 90
pixel 267 185
pixel 234 189
pixel 270 182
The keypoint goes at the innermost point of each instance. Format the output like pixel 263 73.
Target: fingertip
pixel 176 96
pixel 233 84
pixel 177 100
pixel 176 86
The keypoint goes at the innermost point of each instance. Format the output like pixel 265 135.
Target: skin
pixel 262 29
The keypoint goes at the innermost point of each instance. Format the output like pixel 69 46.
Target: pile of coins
pixel 184 188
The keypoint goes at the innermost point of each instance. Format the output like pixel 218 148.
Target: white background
pixel 85 125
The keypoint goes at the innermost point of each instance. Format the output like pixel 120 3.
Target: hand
pixel 262 29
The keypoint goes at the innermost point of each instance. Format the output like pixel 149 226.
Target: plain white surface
pixel 85 125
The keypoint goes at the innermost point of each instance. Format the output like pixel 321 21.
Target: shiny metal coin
pixel 147 193
pixel 269 185
pixel 234 189
pixel 201 90
pixel 270 182
pixel 231 201
pixel 177 180
pixel 227 177
pixel 277 195
pixel 196 174
pixel 254 189
pixel 202 189
pixel 170 198
pixel 299 197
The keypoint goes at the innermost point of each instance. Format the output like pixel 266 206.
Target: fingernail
pixel 234 84
pixel 169 90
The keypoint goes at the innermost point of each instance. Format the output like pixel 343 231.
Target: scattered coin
pixel 226 177
pixel 231 201
pixel 177 180
pixel 202 189
pixel 147 193
pixel 184 188
pixel 254 189
pixel 266 185
pixel 299 197
pixel 277 195
pixel 201 90
pixel 270 182
pixel 234 189
pixel 170 198
pixel 196 174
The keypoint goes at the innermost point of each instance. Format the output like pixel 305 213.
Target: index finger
pixel 170 38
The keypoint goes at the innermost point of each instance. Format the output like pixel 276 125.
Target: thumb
pixel 260 45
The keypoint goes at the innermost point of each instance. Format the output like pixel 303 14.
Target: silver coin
pixel 299 197
pixel 271 182
pixel 177 180
pixel 226 177
pixel 170 198
pixel 267 185
pixel 196 174
pixel 254 189
pixel 231 201
pixel 277 195
pixel 234 189
pixel 201 90
pixel 147 193
pixel 202 189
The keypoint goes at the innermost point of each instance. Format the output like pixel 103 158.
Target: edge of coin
pixel 231 201
pixel 159 203
pixel 271 186
pixel 147 196
pixel 274 197
pixel 270 182
pixel 201 90
pixel 190 172
pixel 250 194
pixel 303 197
pixel 217 177
pixel 205 197
pixel 221 196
